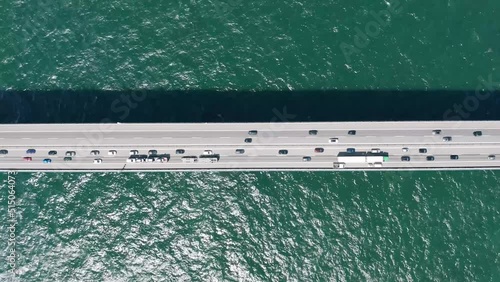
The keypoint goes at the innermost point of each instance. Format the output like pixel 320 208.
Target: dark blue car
pixel 30 151
pixel 351 150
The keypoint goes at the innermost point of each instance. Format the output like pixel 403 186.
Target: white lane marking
pixel 196 137
pixel 225 137
pixel 80 138
pixel 28 138
pixel 114 137
pixel 282 136
pixel 166 138
pixel 134 138
pixel 53 138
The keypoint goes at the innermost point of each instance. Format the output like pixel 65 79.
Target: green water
pixel 300 226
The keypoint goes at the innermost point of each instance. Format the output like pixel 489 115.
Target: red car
pixel 28 159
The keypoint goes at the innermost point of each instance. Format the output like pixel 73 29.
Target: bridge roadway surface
pixel 262 154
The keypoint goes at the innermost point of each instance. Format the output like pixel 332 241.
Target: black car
pixel 180 151
pixel 283 152
pixel 405 158
pixel 478 133
pixel 52 153
pixel 67 159
pixel 252 132
pixel 351 132
pixel 319 150
pixel 453 157
pixel 153 152
pixel 306 159
pixel 4 152
pixel 422 150
pixel 248 140
pixel 240 151
pixel 313 132
pixel 430 158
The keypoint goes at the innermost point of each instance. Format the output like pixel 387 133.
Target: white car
pixel 98 161
pixel 405 149
pixel 134 152
pixel 208 152
pixel 111 152
pixel 94 153
pixel 333 140
pixel 375 151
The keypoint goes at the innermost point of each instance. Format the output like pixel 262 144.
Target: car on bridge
pixel 52 153
pixel 252 132
pixel 491 157
pixel 405 158
pixel 94 153
pixel 453 157
pixel 111 153
pixel 351 132
pixel 447 138
pixel 28 159
pixel 306 159
pixel 248 140
pixel 422 150
pixel 68 159
pixel 430 158
pixel 30 151
pixel 152 152
pixel 240 151
pixel 47 161
pixel 283 152
pixel 134 152
pixel 4 152
pixel 319 150
pixel 97 161
pixel 180 151
pixel 313 132
pixel 70 153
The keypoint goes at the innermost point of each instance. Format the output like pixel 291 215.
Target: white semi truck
pixel 372 159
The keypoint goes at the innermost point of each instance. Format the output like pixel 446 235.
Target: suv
pixel 446 138
pixel 252 132
pixel 351 150
pixel 422 150
pixel 283 152
pixel 313 132
pixel 436 132
pixel 319 150
pixel 248 140
pixel 478 133
pixel 70 153
pixel 405 158
pixel 351 132
pixel 4 152
pixel 30 151
pixel 52 153
pixel 179 151
pixel 453 157
pixel 430 158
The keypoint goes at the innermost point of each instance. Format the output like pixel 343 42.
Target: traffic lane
pixel 263 134
pixel 219 141
pixel 255 151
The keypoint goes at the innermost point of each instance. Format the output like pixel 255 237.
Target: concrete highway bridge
pixel 333 146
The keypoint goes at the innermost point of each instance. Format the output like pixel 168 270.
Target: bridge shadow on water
pixel 65 106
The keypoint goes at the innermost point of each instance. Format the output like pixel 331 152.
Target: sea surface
pixel 235 60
